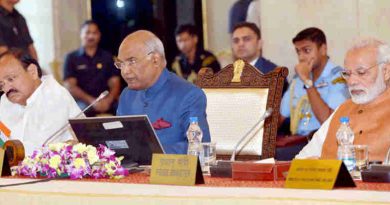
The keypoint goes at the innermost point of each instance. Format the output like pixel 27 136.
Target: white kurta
pixel 314 147
pixel 46 111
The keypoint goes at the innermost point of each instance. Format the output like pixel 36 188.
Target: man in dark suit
pixel 246 45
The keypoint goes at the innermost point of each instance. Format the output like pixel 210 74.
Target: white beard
pixel 369 93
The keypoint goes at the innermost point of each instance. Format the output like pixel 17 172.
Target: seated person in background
pixel 316 89
pixel 367 72
pixel 168 100
pixel 247 45
pixel 33 106
pixel 191 58
pixel 89 71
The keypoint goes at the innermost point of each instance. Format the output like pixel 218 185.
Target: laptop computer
pixel 132 137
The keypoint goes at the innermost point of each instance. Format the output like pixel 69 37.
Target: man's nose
pixel 6 87
pixel 302 58
pixel 352 80
pixel 126 70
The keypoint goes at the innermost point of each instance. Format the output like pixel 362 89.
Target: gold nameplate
pixel 176 169
pixel 318 174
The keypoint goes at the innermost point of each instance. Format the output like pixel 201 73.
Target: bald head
pixel 141 58
pixel 145 39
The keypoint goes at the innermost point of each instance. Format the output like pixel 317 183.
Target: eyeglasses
pixel 130 62
pixel 360 72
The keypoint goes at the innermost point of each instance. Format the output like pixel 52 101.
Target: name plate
pixel 176 169
pixel 318 174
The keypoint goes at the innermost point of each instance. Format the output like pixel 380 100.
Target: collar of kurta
pixel 150 92
pixel 46 80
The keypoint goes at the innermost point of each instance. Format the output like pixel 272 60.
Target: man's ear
pixel 196 39
pixel 32 69
pixel 323 50
pixel 155 59
pixel 260 44
pixel 386 71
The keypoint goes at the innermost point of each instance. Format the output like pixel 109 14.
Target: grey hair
pixel 155 45
pixel 383 48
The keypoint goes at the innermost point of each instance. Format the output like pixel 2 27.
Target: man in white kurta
pixel 33 107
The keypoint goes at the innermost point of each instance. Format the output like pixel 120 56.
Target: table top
pixel 136 189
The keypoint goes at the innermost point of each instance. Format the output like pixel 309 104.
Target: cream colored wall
pixel 39 17
pixel 54 26
pixel 215 19
pixel 341 20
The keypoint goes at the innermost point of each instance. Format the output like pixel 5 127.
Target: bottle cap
pixel 344 119
pixel 193 119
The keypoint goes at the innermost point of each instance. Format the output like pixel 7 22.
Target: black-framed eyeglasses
pixel 130 62
pixel 360 72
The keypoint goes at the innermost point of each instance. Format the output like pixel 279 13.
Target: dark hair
pixel 186 28
pixel 249 25
pixel 313 34
pixel 89 22
pixel 24 59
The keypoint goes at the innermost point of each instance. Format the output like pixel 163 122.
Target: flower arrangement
pixel 74 161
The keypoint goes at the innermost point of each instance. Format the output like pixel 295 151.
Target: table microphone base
pixel 223 169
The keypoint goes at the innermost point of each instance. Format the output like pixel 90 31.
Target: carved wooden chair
pixel 237 96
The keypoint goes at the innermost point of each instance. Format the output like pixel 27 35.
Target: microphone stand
pixel 65 126
pixel 266 114
pixel 223 168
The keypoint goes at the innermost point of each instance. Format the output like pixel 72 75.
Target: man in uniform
pixel 89 71
pixel 14 32
pixel 191 59
pixel 316 89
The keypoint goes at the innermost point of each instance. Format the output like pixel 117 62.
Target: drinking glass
pixel 361 156
pixel 208 156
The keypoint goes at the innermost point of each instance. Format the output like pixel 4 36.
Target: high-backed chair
pixel 237 97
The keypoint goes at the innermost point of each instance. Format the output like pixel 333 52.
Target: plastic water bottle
pixel 194 136
pixel 345 139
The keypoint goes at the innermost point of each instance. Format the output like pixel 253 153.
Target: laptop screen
pixel 132 137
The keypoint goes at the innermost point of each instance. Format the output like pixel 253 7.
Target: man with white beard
pixel 367 73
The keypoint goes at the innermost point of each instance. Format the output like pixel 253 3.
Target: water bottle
pixel 194 136
pixel 345 139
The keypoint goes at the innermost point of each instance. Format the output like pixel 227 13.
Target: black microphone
pixel 65 127
pixel 223 168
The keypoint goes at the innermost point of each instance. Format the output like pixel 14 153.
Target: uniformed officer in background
pixel 89 70
pixel 191 59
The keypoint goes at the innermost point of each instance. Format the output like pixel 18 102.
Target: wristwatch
pixel 308 84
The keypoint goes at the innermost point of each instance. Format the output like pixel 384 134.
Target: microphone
pixel 266 114
pixel 65 126
pixel 223 168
